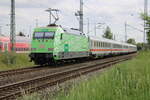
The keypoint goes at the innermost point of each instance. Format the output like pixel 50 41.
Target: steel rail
pixel 10 91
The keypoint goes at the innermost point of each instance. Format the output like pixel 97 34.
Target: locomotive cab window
pixel 49 35
pixel 38 35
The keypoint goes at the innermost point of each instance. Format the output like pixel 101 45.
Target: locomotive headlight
pixel 50 49
pixel 33 49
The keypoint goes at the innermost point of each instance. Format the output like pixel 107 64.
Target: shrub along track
pixel 49 77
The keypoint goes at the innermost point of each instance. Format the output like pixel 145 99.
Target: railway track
pixel 15 71
pixel 32 84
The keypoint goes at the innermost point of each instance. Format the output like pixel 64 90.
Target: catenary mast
pixel 81 16
pixel 12 25
pixel 146 13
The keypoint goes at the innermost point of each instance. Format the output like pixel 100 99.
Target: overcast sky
pixel 113 13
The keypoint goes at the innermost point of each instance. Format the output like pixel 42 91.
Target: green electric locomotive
pixel 53 43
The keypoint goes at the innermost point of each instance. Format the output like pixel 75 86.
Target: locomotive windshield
pixel 38 35
pixel 47 35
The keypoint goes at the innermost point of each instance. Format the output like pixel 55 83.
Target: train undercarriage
pixel 41 58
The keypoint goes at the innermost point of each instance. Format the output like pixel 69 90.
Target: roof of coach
pixel 109 41
pixel 23 39
pixel 4 39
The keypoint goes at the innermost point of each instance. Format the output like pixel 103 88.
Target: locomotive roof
pixel 73 31
pixel 66 30
pixel 109 41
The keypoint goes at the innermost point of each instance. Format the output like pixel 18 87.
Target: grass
pixel 129 80
pixel 7 61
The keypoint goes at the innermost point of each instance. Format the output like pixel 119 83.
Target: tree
pixel 131 41
pixel 147 19
pixel 108 34
pixel 21 34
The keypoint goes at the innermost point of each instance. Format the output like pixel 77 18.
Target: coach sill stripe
pixel 109 49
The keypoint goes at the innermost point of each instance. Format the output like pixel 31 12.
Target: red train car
pixel 22 44
pixel 4 43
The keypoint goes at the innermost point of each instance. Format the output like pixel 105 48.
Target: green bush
pixel 13 61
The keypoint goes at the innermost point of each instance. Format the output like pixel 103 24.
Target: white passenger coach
pixel 101 46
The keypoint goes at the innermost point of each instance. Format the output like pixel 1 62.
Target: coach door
pixel 6 46
pixel 1 46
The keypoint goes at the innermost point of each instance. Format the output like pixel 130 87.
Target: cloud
pixel 112 12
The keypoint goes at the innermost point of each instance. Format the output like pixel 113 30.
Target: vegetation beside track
pixel 129 80
pixel 6 60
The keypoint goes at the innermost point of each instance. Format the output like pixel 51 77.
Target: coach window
pixel 93 43
pixel 97 44
pixel 103 44
pixel 100 44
